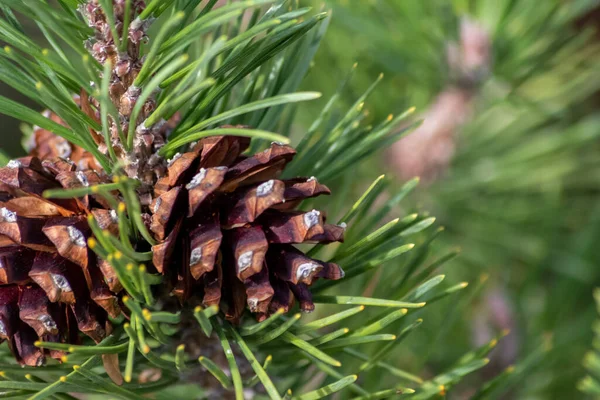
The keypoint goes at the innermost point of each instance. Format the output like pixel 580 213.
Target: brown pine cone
pixel 225 227
pixel 51 285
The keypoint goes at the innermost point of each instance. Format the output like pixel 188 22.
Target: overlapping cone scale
pixel 224 223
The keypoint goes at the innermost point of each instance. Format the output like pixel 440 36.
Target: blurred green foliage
pixel 520 192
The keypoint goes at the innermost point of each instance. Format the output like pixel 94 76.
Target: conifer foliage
pixel 153 238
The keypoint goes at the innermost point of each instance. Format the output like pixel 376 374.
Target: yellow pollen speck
pixel 2 374
pixel 129 267
pixel 45 52
pixel 510 369
pixel 493 342
pixel 28 376
pixel 76 367
pixel 91 243
pixel 121 207
pixel 71 349
pixel 95 189
pixel 7 49
pixel 125 299
pixel 109 258
pixel 146 349
pixel 118 255
pixel 412 110
pixel 181 347
pixel 198 309
pixel 37 343
pixel 63 379
pixel 116 179
pixel 64 359
pixel 127 379
pixel 142 268
pixel 390 117
pixel 38 85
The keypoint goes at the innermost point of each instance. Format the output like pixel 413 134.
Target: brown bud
pixel 205 182
pixel 163 252
pixel 250 203
pixel 249 247
pixel 331 271
pixel 303 295
pixel 220 150
pixel 331 233
pixel 36 311
pixel 90 319
pixel 163 208
pixel 25 350
pixel 259 291
pixel 24 230
pixel 303 188
pixel 58 165
pixel 260 167
pixel 107 220
pixel 110 276
pixel 69 235
pixel 33 206
pixel 106 299
pixel 205 241
pixel 292 226
pixel 212 286
pixel 293 266
pixel 181 167
pixel 17 175
pixel 234 293
pixel 61 280
pixel 282 296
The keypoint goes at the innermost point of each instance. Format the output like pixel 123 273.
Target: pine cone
pixel 224 224
pixel 228 225
pixel 225 227
pixel 51 284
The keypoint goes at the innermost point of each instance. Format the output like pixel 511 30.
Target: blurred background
pixel 508 158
